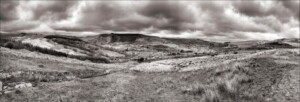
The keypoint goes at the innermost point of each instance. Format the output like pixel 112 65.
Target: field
pixel 140 68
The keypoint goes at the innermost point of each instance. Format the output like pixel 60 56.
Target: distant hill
pixel 130 38
pixel 126 38
pixel 264 44
pixel 291 41
pixel 246 44
pixel 119 47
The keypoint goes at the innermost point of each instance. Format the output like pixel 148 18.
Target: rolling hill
pixel 122 47
pixel 141 68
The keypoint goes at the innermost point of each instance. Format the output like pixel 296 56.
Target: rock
pixel 5 75
pixel 16 74
pixel 70 77
pixel 23 85
pixel 269 99
pixel 107 71
pixel 159 91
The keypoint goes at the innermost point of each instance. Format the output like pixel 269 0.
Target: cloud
pixel 293 6
pixel 116 16
pixel 52 10
pixel 226 20
pixel 15 26
pixel 282 10
pixel 7 11
pixel 270 21
pixel 102 14
pixel 176 15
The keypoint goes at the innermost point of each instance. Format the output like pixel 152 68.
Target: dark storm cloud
pixel 176 14
pixel 216 15
pixel 251 8
pixel 271 22
pixel 219 21
pixel 53 10
pixel 161 15
pixel 215 19
pixel 293 6
pixel 102 14
pixel 112 16
pixel 134 22
pixel 8 11
pixel 280 9
pixel 17 26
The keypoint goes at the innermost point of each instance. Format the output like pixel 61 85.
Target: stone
pixel 17 73
pixel 23 85
pixel 5 75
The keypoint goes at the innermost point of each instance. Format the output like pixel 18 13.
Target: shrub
pixel 142 59
pixel 18 91
pixel 9 45
pixel 182 51
pixel 87 73
pixel 213 54
pixel 41 66
pixel 173 54
pixel 211 96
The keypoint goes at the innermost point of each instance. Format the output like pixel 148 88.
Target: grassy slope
pixel 262 76
pixel 124 47
pixel 269 75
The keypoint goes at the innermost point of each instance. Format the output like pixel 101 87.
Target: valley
pixel 141 68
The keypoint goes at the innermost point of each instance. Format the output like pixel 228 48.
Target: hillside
pixel 141 68
pixel 257 44
pixel 262 76
pixel 117 47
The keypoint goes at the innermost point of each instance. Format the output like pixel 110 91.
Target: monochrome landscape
pixel 149 51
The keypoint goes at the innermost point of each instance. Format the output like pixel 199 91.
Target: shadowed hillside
pixel 141 68
pixel 117 47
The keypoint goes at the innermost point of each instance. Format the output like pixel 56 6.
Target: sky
pixel 218 20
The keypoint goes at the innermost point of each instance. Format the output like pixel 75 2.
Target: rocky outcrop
pixel 23 85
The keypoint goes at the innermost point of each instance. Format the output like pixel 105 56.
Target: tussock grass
pixel 224 85
pixel 41 76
